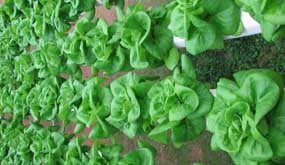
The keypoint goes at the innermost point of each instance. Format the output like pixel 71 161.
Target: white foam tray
pixel 251 27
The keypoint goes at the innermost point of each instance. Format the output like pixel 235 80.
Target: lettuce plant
pixel 241 118
pixel 48 60
pixel 101 154
pixel 203 23
pixel 78 45
pixel 270 15
pixel 47 18
pixel 111 57
pixel 24 71
pixel 145 35
pixel 110 154
pixel 140 39
pixel 95 107
pixel 13 152
pixel 138 156
pixel 128 106
pixel 46 144
pixel 7 75
pixel 179 104
pixel 19 95
pixel 76 7
pixel 43 99
pixel 6 99
pixel 69 100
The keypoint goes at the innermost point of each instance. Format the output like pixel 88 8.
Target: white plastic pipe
pixel 251 27
pixel 99 2
pixel 214 92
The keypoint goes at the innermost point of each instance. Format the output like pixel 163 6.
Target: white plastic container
pixel 251 27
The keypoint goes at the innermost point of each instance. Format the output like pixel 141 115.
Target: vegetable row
pixel 41 145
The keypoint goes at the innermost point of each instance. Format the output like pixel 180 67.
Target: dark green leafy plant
pixel 179 103
pixel 203 23
pixel 241 116
pixel 270 15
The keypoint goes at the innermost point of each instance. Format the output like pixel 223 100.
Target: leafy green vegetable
pixel 111 57
pixel 20 107
pixel 95 107
pixel 239 118
pixel 141 156
pixel 179 103
pixel 78 45
pixel 69 100
pixel 270 15
pixel 276 132
pixel 23 69
pixel 47 60
pixel 140 40
pixel 135 31
pixel 203 23
pixel 126 108
pixel 103 154
pixel 172 59
pixel 145 35
pixel 42 99
pixel 6 73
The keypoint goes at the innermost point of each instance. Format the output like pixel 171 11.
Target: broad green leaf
pixel 201 38
pixel 225 15
pixel 187 130
pixel 172 59
pixel 142 156
pixel 158 42
pixel 187 66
